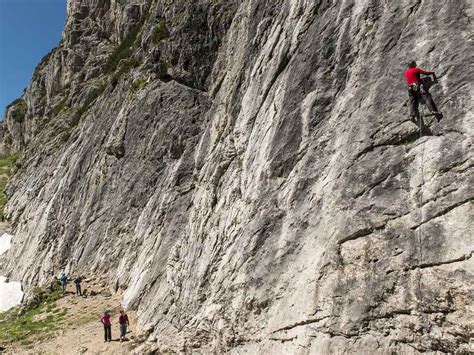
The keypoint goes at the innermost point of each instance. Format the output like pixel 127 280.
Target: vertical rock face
pixel 248 173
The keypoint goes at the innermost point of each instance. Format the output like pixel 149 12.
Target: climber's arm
pixel 421 71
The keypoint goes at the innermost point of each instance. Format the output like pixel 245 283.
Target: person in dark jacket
pixel 77 282
pixel 123 322
pixel 418 91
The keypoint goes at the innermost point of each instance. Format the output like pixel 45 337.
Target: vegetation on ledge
pixel 124 50
pixel 160 32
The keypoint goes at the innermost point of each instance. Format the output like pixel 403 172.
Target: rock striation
pixel 248 173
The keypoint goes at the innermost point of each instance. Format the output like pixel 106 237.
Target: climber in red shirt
pixel 417 90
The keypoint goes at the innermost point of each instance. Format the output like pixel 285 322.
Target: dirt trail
pixel 82 332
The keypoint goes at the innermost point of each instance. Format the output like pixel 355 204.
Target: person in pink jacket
pixel 105 319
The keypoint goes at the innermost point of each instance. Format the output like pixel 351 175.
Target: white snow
pixel 11 294
pixel 5 242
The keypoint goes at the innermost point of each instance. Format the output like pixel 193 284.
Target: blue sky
pixel 29 29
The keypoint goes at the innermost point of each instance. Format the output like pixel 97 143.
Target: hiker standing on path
pixel 77 282
pixel 416 91
pixel 63 280
pixel 105 319
pixel 123 321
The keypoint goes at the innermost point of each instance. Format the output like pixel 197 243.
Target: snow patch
pixel 11 294
pixel 5 242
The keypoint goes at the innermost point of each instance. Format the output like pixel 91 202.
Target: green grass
pixel 124 50
pixel 59 107
pixel 138 84
pixel 122 59
pixel 125 67
pixel 160 32
pixel 93 94
pixel 47 296
pixel 6 167
pixel 38 321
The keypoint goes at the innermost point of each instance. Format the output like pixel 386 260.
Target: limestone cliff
pixel 248 172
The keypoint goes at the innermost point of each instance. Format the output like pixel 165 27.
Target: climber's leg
pixel 431 105
pixel 414 99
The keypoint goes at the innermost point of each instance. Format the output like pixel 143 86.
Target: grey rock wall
pixel 248 172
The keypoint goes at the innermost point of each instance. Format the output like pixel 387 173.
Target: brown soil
pixel 82 332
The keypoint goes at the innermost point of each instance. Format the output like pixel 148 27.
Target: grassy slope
pixel 39 321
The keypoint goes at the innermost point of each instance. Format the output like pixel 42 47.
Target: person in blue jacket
pixel 63 280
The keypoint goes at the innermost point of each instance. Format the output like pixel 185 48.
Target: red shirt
pixel 123 319
pixel 105 319
pixel 412 75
